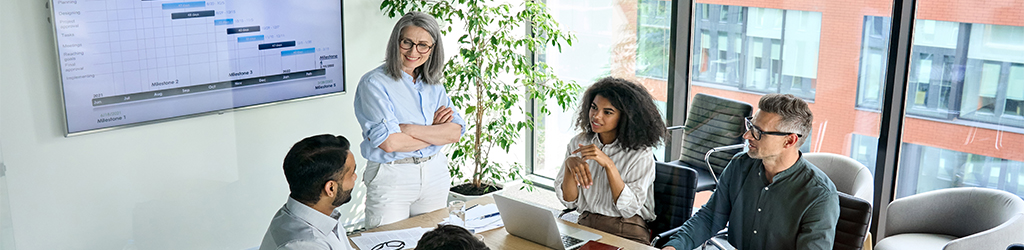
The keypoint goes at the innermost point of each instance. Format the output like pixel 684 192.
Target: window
pixel 939 168
pixel 609 44
pixel 874 47
pixel 653 38
pixel 764 50
pixel 865 150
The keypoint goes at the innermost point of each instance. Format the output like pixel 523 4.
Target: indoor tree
pixel 493 75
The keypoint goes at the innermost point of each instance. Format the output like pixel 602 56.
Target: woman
pixel 407 118
pixel 609 167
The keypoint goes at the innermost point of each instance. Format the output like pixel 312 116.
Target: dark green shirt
pixel 798 210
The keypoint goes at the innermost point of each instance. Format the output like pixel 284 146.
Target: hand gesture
pixel 580 170
pixel 443 115
pixel 591 152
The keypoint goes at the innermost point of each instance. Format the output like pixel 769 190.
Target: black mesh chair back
pixel 854 218
pixel 673 199
pixel 713 122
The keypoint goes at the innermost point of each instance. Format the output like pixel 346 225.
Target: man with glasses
pixel 769 196
pixel 320 171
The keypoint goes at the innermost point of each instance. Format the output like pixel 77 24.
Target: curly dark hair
pixel 640 124
pixel 449 237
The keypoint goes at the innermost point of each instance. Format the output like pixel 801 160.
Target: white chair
pixel 849 176
pixel 953 219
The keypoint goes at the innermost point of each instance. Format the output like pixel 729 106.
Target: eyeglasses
pixel 391 244
pixel 420 47
pixel 757 133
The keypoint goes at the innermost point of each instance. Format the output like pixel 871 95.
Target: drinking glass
pixel 457 213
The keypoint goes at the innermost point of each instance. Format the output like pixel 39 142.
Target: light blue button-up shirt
pixel 382 103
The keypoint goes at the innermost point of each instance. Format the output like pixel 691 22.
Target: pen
pixel 471 207
pixel 488 216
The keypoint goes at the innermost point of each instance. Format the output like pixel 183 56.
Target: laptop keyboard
pixel 569 241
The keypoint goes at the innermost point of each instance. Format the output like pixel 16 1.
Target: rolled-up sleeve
pixel 375 111
pixel 559 179
pixel 638 176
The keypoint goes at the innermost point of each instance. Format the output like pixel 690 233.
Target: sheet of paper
pixel 475 221
pixel 410 236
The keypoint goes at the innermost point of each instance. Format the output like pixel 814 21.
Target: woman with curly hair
pixel 609 167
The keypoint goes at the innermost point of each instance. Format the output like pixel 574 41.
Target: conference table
pixel 498 238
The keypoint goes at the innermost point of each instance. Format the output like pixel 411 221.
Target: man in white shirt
pixel 321 174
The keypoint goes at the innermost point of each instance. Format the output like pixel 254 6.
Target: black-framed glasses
pixel 757 133
pixel 423 48
pixel 391 245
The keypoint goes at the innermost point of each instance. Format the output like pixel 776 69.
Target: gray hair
pixel 431 70
pixel 795 116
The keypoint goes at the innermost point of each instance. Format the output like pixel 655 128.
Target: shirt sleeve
pixel 638 176
pixel 375 111
pixel 559 179
pixel 818 227
pixel 456 113
pixel 713 216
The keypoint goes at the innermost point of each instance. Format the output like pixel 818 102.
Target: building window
pixel 874 47
pixel 926 168
pixel 865 151
pixel 653 38
pixel 758 49
pixel 976 74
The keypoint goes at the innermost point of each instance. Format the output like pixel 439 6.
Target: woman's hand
pixel 591 152
pixel 580 171
pixel 443 115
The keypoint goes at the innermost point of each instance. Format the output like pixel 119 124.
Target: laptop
pixel 537 224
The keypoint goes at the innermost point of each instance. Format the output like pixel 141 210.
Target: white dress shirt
pixel 636 167
pixel 297 226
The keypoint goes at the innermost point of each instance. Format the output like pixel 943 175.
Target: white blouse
pixel 636 167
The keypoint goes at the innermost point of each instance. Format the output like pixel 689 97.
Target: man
pixel 320 171
pixel 770 196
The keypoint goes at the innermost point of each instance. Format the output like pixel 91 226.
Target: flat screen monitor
pixel 131 62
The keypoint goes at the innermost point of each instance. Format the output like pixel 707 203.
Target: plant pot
pixel 452 195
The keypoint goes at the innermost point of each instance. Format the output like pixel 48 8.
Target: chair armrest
pixel 664 235
pixel 998 237
pixel 722 245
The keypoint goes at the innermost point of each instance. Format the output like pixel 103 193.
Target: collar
pixel 416 83
pixel 596 140
pixel 797 167
pixel 312 217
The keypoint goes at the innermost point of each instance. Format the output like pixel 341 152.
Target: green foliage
pixel 491 50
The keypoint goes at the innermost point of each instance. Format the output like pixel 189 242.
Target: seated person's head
pixel 449 237
pixel 618 107
pixel 319 168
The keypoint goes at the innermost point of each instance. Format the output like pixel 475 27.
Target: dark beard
pixel 341 198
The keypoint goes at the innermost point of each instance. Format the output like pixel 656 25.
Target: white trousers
pixel 395 192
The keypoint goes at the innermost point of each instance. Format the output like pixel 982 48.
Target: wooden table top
pixel 498 238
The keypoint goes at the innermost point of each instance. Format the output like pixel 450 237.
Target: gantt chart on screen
pixel 129 61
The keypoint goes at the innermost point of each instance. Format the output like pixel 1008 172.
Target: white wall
pixel 211 182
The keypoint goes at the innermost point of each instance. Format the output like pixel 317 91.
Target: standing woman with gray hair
pixel 407 118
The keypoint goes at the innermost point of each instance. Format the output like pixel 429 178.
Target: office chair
pixel 849 175
pixel 954 218
pixel 673 200
pixel 712 122
pixel 854 219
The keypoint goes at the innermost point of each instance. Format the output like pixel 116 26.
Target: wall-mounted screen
pixel 127 62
